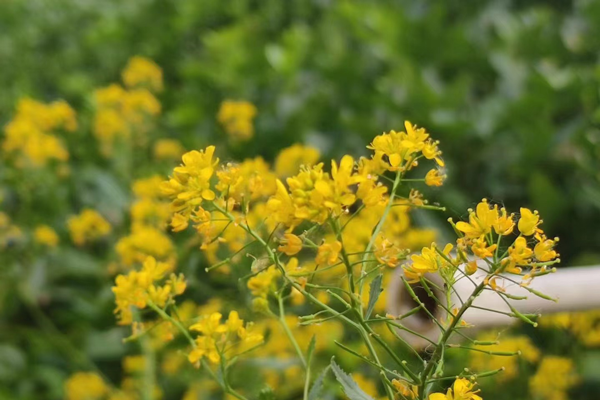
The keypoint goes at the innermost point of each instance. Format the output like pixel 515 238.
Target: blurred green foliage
pixel 511 88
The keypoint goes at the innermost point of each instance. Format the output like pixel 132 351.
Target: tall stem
pixel 378 229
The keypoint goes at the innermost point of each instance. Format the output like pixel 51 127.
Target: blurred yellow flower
pixel 45 235
pixel 328 253
pixel 554 377
pixel 31 135
pixel 168 149
pixel 85 386
pixel 237 118
pixel 141 71
pixel 290 159
pixel 88 226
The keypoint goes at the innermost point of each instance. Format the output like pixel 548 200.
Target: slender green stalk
pixel 289 333
pixel 379 227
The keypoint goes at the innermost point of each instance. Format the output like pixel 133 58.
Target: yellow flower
pixel 190 184
pixel 141 71
pixel 46 236
pixel 480 221
pixel 408 391
pixel 371 193
pixel 88 226
pixel 222 340
pixel 428 261
pixel 167 149
pixel 290 244
pixel 528 222
pixel 261 284
pixel 402 147
pixel 481 249
pixel 386 251
pixel 544 250
pixel 85 386
pixel 434 178
pixel 236 117
pixel 290 159
pixel 505 224
pixel 31 135
pixel 328 253
pixel 461 390
pixel 518 255
pixel 554 377
pixel 145 241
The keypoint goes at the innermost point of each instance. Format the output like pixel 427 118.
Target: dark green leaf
pixel 351 388
pixel 374 292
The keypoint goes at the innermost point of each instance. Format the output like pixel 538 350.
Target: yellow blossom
pixel 435 177
pixel 167 149
pixel 405 389
pixel 88 226
pixel 46 236
pixel 504 224
pixel 328 253
pixel 554 377
pixel 261 284
pixel 518 255
pixel 461 390
pixel 386 251
pixel 428 261
pixel 290 159
pixel 85 386
pixel 480 221
pixel 237 118
pixel 528 222
pixel 401 148
pixel 190 184
pixel 222 340
pixel 481 248
pixel 141 71
pixel 290 244
pixel 544 250
pixel 31 136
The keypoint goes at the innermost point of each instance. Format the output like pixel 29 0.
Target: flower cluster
pixel 85 386
pixel 137 289
pixel 45 235
pixel 126 113
pixel 218 341
pixel 482 237
pixel 31 136
pixel 403 149
pixel 237 119
pixel 149 217
pixel 87 227
pixel 142 72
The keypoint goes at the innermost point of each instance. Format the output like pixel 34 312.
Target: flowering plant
pixel 317 242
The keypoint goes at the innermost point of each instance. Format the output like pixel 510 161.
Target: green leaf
pixel 374 292
pixel 351 388
pixel 317 387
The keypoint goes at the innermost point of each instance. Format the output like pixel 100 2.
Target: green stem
pixel 289 334
pixel 441 345
pixel 378 228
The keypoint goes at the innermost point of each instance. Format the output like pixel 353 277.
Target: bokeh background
pixel 510 88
